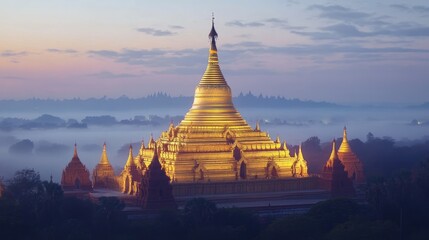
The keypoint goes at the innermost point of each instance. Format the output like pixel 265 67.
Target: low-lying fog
pixel 53 146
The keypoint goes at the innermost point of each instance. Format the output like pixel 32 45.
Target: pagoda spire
pixel 213 98
pixel 75 151
pixel 104 159
pixel 345 146
pixel 141 148
pixel 213 74
pixel 285 145
pixel 75 155
pixel 130 161
pixel 257 128
pixel 213 36
pixel 300 155
pixel 333 156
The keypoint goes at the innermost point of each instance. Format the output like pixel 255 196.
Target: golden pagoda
pixel 130 176
pixel 75 176
pixel 213 143
pixel 103 171
pixel 335 176
pixel 351 162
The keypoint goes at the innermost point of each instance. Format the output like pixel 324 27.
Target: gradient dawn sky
pixel 338 51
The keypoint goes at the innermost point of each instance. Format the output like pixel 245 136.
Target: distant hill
pixel 250 100
pixel 421 106
pixel 157 100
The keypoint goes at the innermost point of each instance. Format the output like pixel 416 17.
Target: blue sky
pixel 338 51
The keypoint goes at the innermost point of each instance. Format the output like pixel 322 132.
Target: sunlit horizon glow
pixel 348 52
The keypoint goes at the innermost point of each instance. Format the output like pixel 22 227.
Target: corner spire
pixel 285 146
pixel 257 128
pixel 334 151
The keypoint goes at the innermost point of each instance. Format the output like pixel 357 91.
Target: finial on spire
pixel 212 37
pixel 257 128
pixel 75 150
pixel 345 133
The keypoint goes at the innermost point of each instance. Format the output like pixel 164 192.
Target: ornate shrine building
pixel 214 143
pixel 213 151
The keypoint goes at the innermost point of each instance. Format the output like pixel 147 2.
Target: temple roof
pixel 155 165
pixel 345 146
pixel 75 161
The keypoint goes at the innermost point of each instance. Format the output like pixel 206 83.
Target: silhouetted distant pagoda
pixel 156 190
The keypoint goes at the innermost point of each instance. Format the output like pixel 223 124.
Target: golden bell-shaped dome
pixel 213 99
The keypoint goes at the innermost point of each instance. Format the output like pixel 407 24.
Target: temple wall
pixel 246 186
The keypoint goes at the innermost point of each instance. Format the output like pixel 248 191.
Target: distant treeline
pixel 47 121
pixel 156 100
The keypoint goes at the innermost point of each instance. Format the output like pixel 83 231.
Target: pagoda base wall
pixel 246 186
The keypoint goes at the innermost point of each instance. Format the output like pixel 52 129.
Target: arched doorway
pixel 236 153
pixel 77 183
pixel 126 185
pixel 243 170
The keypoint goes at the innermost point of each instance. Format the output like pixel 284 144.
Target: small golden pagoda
pixel 130 176
pixel 335 176
pixel 103 171
pixel 75 176
pixel 351 162
pixel 214 143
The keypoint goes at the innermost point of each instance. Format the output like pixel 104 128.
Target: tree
pixel 199 211
pixel 25 186
pixel 368 230
pixel 293 227
pixel 332 212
